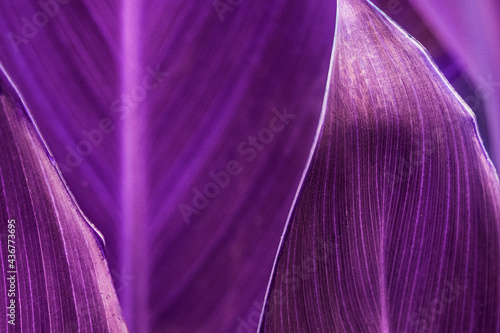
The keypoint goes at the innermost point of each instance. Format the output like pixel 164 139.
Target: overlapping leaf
pixel 54 275
pixel 396 226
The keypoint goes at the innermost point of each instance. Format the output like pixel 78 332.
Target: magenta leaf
pixel 396 225
pixel 182 128
pixel 54 275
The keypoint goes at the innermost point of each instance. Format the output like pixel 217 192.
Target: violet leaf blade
pixel 54 275
pixel 396 225
pixel 236 95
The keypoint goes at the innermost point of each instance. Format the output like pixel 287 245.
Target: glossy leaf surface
pixel 396 225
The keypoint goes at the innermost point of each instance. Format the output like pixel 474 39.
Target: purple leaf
pixel 225 81
pixel 54 275
pixel 396 224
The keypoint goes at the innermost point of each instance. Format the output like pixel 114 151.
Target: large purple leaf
pixel 54 275
pixel 144 104
pixel 396 225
